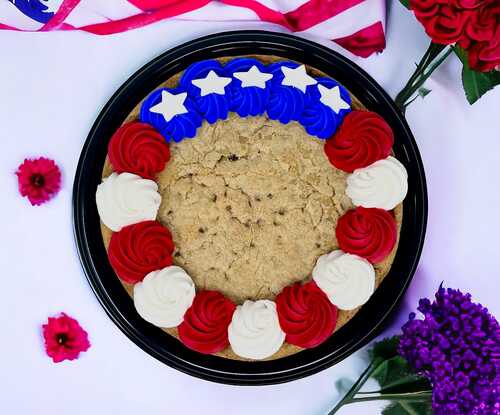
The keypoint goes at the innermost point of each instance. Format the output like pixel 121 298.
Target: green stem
pixel 424 76
pixel 420 383
pixel 431 52
pixel 407 103
pixel 424 69
pixel 409 397
pixel 357 385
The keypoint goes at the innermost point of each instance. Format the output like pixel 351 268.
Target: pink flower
pixel 39 180
pixel 64 338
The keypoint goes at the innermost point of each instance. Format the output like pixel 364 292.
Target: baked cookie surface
pixel 252 204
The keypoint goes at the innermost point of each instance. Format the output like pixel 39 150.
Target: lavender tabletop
pixel 52 88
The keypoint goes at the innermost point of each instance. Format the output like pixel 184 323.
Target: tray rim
pixel 267 40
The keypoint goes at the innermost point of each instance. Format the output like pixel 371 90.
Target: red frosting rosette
pixel 205 324
pixel 305 314
pixel 363 138
pixel 138 148
pixel 139 249
pixel 370 233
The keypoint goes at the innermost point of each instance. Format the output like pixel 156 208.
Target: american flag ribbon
pixel 356 25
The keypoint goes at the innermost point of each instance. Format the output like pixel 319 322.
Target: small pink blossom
pixel 64 338
pixel 39 180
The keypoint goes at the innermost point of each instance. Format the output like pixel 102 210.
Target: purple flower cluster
pixel 457 347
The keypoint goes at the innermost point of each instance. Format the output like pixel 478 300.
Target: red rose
pixel 481 25
pixel 305 314
pixel 363 138
pixel 138 148
pixel 472 4
pixel 138 249
pixel 205 324
pixel 427 8
pixel 444 22
pixel 370 233
pixel 483 39
pixel 485 56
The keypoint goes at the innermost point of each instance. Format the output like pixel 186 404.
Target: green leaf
pixel 408 408
pixel 405 3
pixel 385 348
pixel 423 92
pixel 407 384
pixel 461 53
pixel 393 372
pixel 475 83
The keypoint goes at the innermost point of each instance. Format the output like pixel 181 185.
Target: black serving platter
pixel 119 305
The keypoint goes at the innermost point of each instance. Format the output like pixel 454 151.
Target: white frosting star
pixel 170 105
pixel 331 98
pixel 253 77
pixel 211 84
pixel 297 77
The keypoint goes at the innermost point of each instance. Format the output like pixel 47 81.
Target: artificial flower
pixel 64 338
pixel 456 346
pixel 39 180
pixel 444 22
pixel 445 364
pixel 468 28
pixel 485 56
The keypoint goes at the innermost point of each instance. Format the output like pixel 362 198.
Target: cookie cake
pixel 250 206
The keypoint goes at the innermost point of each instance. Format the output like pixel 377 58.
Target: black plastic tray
pixel 119 305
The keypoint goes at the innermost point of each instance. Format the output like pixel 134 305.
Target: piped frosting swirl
pixel 255 332
pixel 348 280
pixel 124 199
pixel 382 185
pixel 163 296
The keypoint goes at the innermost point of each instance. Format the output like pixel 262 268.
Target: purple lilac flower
pixel 457 347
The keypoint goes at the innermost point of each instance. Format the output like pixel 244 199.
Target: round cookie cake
pixel 250 206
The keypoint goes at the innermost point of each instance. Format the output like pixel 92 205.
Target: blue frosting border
pixel 280 102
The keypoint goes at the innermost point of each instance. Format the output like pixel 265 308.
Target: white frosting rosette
pixel 255 332
pixel 124 199
pixel 348 280
pixel 164 296
pixel 383 184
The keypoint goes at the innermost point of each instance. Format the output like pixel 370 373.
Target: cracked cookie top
pixel 251 205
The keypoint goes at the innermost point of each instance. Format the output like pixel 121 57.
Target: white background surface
pixel 52 86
